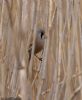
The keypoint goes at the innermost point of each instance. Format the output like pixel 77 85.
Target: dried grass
pixel 59 75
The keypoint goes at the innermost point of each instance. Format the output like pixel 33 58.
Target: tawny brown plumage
pixel 39 43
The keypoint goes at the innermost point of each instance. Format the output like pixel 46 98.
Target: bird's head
pixel 41 34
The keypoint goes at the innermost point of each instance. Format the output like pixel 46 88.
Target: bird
pixel 39 42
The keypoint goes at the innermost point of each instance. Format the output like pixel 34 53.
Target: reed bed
pixel 59 75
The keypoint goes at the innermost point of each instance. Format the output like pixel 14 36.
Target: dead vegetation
pixel 59 75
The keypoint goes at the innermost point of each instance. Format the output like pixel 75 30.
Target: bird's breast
pixel 39 45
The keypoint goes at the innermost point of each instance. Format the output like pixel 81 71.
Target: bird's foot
pixel 39 58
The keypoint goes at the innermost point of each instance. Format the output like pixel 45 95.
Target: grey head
pixel 41 34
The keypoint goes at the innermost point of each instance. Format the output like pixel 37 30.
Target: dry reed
pixel 59 75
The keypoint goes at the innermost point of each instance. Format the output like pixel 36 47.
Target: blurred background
pixel 59 75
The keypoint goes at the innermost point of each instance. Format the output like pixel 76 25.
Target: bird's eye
pixel 42 34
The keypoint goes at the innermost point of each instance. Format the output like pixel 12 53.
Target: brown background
pixel 59 75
